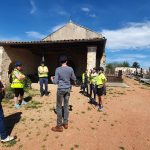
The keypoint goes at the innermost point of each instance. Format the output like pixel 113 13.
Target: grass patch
pixel 89 109
pixel 32 119
pixel 57 137
pixel 11 143
pixel 83 112
pixel 34 105
pixel 121 148
pixel 46 125
pixel 20 146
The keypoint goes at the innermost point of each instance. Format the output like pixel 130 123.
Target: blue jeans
pixel 3 133
pixel 43 81
pixel 62 97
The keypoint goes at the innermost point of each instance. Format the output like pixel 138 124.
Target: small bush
pixel 9 93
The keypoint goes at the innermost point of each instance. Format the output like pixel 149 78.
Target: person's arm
pixel 46 70
pixel 55 79
pixel 73 77
pixel 20 77
pixel 40 70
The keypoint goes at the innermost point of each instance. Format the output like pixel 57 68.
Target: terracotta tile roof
pixel 49 42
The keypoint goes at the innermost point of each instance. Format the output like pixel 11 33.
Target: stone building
pixel 85 49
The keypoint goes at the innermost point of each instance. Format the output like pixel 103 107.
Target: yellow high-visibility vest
pixel 93 78
pixel 42 71
pixel 101 79
pixel 16 83
pixel 83 77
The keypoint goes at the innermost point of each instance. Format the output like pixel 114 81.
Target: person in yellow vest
pixel 85 81
pixel 43 78
pixel 93 77
pixel 18 84
pixel 101 88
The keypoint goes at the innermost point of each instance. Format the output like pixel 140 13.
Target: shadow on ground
pixel 11 120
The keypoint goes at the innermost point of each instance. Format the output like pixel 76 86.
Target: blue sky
pixel 125 23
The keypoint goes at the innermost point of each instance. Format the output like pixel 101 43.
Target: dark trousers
pixel 85 87
pixel 62 97
pixel 43 81
pixel 93 90
pixel 3 133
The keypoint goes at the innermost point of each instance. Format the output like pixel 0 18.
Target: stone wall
pixel 72 31
pixel 91 58
pixel 10 55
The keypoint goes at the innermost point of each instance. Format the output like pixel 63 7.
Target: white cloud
pixel 85 9
pixel 133 36
pixel 35 35
pixel 57 27
pixel 33 7
pixel 92 15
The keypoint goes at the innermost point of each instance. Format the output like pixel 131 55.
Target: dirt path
pixel 124 124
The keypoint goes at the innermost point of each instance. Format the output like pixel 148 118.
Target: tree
pixel 136 65
pixel 125 64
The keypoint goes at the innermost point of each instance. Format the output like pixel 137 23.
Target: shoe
pixel 65 126
pixel 100 108
pixel 23 102
pixel 9 138
pixel 17 106
pixel 57 129
pixel 47 94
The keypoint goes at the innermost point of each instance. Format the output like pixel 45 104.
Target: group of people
pixel 95 81
pixel 63 77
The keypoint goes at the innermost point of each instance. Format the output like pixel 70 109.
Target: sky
pixel 124 23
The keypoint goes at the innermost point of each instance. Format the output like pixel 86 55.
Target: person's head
pixel 101 69
pixel 42 63
pixel 86 71
pixel 94 70
pixel 63 59
pixel 18 65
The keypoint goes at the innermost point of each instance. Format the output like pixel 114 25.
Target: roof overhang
pixel 15 43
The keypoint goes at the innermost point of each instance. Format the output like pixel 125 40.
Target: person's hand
pixel 52 78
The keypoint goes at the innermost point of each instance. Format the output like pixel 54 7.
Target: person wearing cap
pixel 3 134
pixel 63 76
pixel 43 78
pixel 18 84
pixel 101 88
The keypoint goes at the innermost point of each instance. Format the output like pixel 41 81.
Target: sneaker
pixel 17 106
pixel 23 102
pixel 100 108
pixel 9 138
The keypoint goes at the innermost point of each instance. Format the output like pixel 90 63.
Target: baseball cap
pixel 18 63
